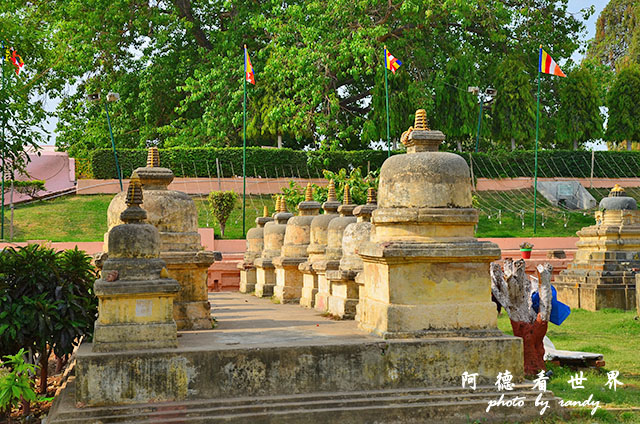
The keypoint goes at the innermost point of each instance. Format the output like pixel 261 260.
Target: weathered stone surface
pixel 297 237
pixel 274 233
pixel 175 216
pixel 317 247
pixel 602 274
pixel 135 299
pixel 424 271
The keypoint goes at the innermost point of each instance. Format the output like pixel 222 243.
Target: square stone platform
pixel 267 363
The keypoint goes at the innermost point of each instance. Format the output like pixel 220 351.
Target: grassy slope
pixel 615 334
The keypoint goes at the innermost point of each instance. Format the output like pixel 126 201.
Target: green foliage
pixel 16 385
pixel 622 100
pixel 30 188
pixel 617 40
pixel 46 299
pixel 201 161
pixel 579 118
pixel 358 185
pixel 221 204
pixel 318 64
pixel 514 115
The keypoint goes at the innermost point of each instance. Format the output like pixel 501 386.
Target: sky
pixel 574 6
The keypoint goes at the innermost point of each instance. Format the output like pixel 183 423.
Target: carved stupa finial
pixel 153 158
pixel 283 205
pixel 331 195
pixel 372 196
pixel 134 213
pixel 265 211
pixel 134 192
pixel 308 195
pixel 420 122
pixel 346 199
pixel 617 191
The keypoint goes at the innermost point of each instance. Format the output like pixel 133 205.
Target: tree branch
pixel 185 12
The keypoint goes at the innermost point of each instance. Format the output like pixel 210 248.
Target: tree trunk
pixel 222 226
pixel 575 144
pixel 44 372
pixel 513 144
pixel 513 289
pixel 459 146
pixel 279 141
pixel 629 145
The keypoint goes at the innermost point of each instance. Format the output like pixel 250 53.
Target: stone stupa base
pixel 344 294
pixel 594 297
pixel 303 369
pixel 309 285
pixel 248 278
pixel 288 287
pixel 265 278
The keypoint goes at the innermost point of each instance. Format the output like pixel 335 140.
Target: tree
pixel 514 114
pixel 617 40
pixel 221 204
pixel 579 118
pixel 622 101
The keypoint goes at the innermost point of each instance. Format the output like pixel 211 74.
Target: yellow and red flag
pixel 548 66
pixel 391 62
pixel 248 69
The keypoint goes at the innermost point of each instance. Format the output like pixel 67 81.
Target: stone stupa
pixel 603 271
pixel 175 216
pixel 135 295
pixel 424 272
pixel 288 287
pixel 317 247
pixel 255 245
pixel 345 292
pixel 273 239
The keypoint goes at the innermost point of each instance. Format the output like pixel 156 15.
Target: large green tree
pixel 623 100
pixel 178 66
pixel 617 39
pixel 579 118
pixel 514 112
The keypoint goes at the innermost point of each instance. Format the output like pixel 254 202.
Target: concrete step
pixel 380 406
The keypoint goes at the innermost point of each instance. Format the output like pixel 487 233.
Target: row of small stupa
pixel 309 259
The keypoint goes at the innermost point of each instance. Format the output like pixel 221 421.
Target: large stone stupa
pixel 175 216
pixel 424 271
pixel 602 273
pixel 135 297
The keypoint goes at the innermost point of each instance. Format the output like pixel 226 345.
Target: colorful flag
pixel 548 66
pixel 248 69
pixel 392 63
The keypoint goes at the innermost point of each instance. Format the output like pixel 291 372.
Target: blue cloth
pixel 559 311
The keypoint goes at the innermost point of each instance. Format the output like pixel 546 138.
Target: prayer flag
pixel 392 63
pixel 548 66
pixel 248 69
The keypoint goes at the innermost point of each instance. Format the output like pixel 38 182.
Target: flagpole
pixel 244 145
pixel 386 89
pixel 4 119
pixel 535 175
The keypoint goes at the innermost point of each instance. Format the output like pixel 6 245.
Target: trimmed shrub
pixel 221 204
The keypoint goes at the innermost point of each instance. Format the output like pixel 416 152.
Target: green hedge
pixel 260 162
pixel 278 162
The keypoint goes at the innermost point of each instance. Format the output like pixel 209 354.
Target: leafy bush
pixel 358 184
pixel 29 188
pixel 221 204
pixel 46 301
pixel 16 384
pixel 272 163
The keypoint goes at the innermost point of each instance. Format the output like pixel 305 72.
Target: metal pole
pixel 535 175
pixel 593 159
pixel 4 121
pixel 386 90
pixel 244 145
pixel 113 144
pixel 480 100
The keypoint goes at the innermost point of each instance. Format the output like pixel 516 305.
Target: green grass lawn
pixel 83 218
pixel 615 334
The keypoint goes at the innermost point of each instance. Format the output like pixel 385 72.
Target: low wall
pixel 505 184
